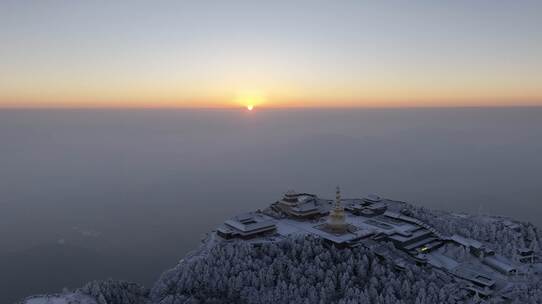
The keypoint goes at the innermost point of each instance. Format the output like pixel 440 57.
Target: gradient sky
pixel 277 53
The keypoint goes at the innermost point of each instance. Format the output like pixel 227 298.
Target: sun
pixel 249 100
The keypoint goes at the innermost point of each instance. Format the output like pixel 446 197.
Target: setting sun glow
pixel 189 54
pixel 249 100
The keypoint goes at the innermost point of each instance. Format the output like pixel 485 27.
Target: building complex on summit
pixel 386 227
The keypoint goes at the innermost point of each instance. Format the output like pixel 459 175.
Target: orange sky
pixel 215 55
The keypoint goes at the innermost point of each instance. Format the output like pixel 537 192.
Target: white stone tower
pixel 336 220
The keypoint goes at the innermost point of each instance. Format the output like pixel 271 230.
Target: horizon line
pixel 263 108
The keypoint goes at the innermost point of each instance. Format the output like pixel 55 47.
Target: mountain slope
pixel 306 269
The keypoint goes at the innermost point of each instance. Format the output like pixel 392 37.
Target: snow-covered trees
pixel 303 270
pixel 97 292
pixel 489 230
pixel 296 271
pixel 118 292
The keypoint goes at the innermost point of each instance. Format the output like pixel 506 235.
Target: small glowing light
pixel 249 100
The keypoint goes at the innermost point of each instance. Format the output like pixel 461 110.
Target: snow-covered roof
pixel 308 206
pixel 250 222
pixel 466 242
pixel 466 272
pixel 372 198
pixel 500 264
pixel 305 198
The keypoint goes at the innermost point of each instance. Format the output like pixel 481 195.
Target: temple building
pixel 476 248
pixel 389 229
pixel 299 205
pixel 336 220
pixel 370 206
pixel 246 226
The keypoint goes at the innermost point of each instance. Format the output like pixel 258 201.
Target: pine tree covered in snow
pixel 302 271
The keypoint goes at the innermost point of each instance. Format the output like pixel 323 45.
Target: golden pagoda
pixel 336 220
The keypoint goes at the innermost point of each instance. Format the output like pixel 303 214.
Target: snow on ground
pixel 71 298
